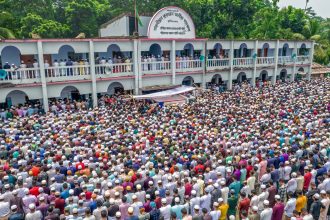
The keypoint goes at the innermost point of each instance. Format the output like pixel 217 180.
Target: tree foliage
pixel 233 19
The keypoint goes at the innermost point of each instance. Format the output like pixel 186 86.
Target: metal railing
pixel 110 69
pixel 156 67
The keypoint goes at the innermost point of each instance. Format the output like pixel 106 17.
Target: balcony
pixel 159 67
pixel 243 62
pixel 188 66
pixel 285 60
pixel 64 73
pixel 22 76
pixel 217 64
pixel 303 60
pixel 114 70
pixel 265 61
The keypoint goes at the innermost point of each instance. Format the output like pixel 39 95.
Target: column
pixel 173 64
pixel 231 59
pixel 294 62
pixel 43 76
pixel 139 68
pixel 136 66
pixel 311 57
pixel 255 58
pixel 276 62
pixel 203 65
pixel 92 71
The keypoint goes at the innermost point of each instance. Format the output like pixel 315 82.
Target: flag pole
pixel 135 21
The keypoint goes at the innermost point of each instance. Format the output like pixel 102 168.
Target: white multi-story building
pixel 170 55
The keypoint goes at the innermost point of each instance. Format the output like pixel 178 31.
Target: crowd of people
pixel 250 153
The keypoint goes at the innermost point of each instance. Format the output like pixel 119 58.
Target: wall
pixel 119 28
pixel 143 30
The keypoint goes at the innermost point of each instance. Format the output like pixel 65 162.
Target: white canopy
pixel 170 92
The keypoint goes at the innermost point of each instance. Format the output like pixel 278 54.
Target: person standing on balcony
pixel 23 66
pixel 62 67
pixel 86 63
pixel 153 61
pixel 81 68
pixel 102 63
pixel 110 65
pixel 75 68
pixel 47 71
pixel 69 63
pixel 128 65
pixel 56 69
pixel 36 66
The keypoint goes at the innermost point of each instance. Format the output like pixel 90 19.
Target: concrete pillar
pixel 294 62
pixel 92 71
pixel 203 65
pixel 140 82
pixel 254 74
pixel 231 60
pixel 311 57
pixel 43 76
pixel 136 65
pixel 173 64
pixel 276 62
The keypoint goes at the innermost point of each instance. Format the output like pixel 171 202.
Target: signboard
pixel 171 22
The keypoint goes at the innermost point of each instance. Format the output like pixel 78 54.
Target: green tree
pixel 81 17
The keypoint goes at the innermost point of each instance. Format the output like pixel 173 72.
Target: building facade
pixel 170 55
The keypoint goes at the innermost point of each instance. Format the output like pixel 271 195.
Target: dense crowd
pixel 251 153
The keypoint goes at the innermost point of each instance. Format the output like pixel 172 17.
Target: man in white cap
pixel 316 206
pixel 15 215
pixel 195 200
pixel 4 208
pixel 136 205
pixel 325 201
pixel 33 214
pixel 177 208
pixel 165 210
pixel 278 209
pixel 266 214
pixel 197 214
pixel 254 215
pixel 290 206
pixel 224 191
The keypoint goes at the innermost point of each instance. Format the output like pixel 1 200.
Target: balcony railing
pixel 303 59
pixel 29 74
pixel 67 71
pixel 114 69
pixel 285 60
pixel 213 64
pixel 265 61
pixel 243 62
pixel 188 65
pixel 156 67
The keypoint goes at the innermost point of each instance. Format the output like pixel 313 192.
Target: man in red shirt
pixel 35 189
pixel 80 164
pixel 59 202
pixel 244 203
pixel 199 169
pixel 307 178
pixel 188 187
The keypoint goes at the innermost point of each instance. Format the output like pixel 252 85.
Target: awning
pixel 170 92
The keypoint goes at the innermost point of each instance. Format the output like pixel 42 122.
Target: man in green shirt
pixel 232 202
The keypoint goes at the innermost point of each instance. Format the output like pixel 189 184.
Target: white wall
pixel 118 28
pixel 143 30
